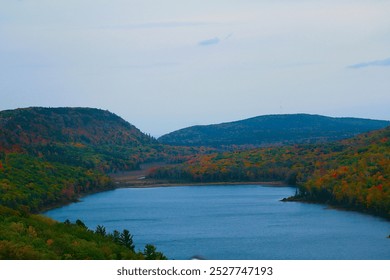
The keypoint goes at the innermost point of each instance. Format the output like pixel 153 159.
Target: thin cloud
pixel 214 40
pixel 148 25
pixel 383 63
pixel 228 36
pixel 209 42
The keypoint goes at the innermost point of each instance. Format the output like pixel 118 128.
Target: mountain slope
pixel 51 156
pixel 82 137
pixel 272 130
pixel 37 125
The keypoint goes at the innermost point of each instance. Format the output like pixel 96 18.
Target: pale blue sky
pixel 164 65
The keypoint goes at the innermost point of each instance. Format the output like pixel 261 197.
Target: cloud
pixel 167 24
pixel 214 40
pixel 228 36
pixel 383 63
pixel 209 42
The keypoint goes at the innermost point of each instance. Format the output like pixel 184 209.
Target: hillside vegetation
pixel 50 156
pixel 271 130
pixel 353 173
pixel 84 137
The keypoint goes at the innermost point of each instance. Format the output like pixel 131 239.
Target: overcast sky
pixel 165 65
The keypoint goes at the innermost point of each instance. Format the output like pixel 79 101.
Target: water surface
pixel 232 222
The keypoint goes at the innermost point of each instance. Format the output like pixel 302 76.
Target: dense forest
pixel 27 236
pixel 352 173
pixel 271 130
pixel 82 137
pixel 51 156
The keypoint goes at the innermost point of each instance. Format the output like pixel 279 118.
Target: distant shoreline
pixel 139 179
pixel 149 184
pixel 185 184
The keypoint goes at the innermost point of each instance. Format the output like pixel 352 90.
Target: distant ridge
pixel 270 130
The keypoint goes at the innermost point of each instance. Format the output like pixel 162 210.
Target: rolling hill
pixel 38 125
pixel 82 137
pixel 51 156
pixel 352 173
pixel 270 130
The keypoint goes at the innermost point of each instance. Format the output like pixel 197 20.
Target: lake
pixel 232 222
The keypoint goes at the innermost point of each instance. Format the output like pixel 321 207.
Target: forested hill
pixel 82 137
pixel 88 126
pixel 271 130
pixel 352 173
pixel 51 156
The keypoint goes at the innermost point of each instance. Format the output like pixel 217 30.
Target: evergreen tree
pixel 80 223
pixel 150 253
pixel 101 230
pixel 126 239
pixel 116 236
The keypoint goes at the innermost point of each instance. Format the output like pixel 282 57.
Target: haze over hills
pixel 271 130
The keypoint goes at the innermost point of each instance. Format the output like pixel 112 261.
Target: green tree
pixel 80 224
pixel 116 236
pixel 126 239
pixel 150 253
pixel 101 230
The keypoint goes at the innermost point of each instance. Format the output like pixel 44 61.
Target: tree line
pixel 353 173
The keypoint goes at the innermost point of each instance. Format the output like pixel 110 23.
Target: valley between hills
pixel 52 156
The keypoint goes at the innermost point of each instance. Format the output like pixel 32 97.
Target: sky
pixel 165 65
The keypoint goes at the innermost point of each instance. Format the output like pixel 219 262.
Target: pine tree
pixel 101 230
pixel 126 239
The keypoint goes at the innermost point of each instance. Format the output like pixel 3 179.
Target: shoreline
pixel 335 206
pixel 63 203
pixel 153 184
pixel 140 185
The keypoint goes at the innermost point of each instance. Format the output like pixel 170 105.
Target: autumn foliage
pixel 51 156
pixel 353 173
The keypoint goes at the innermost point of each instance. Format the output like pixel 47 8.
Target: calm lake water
pixel 232 222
